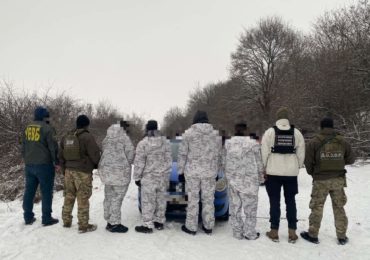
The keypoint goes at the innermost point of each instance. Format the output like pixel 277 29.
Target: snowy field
pixel 18 241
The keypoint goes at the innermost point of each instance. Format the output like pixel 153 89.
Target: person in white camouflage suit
pixel 115 172
pixel 244 172
pixel 153 163
pixel 199 160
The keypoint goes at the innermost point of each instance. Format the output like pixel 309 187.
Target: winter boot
pixel 292 236
pixel 257 236
pixel 158 226
pixel 30 222
pixel 143 229
pixel 52 221
pixel 342 241
pixel 118 229
pixel 186 230
pixel 108 227
pixel 306 236
pixel 273 234
pixel 206 230
pixel 67 224
pixel 88 228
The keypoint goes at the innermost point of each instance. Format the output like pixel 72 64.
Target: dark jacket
pixel 312 159
pixel 89 151
pixel 39 145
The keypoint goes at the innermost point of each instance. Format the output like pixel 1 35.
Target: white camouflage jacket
pixel 200 152
pixel 153 158
pixel 117 158
pixel 243 164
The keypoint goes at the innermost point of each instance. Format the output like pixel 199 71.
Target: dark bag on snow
pixel 284 141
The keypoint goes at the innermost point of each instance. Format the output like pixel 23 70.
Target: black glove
pixel 138 183
pixel 217 178
pixel 181 178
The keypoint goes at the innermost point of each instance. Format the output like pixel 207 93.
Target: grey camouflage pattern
pixel 153 164
pixel 153 201
pixel 113 199
pixel 238 201
pixel 117 158
pixel 207 187
pixel 243 165
pixel 200 152
pixel 153 158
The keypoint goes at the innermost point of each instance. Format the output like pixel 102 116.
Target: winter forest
pixel 325 72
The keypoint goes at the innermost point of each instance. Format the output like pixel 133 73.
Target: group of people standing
pixel 202 154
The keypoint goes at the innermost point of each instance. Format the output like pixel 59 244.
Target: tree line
pixel 16 111
pixel 323 73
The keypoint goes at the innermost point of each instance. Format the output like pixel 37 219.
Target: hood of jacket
pixel 202 128
pixel 114 131
pixel 244 142
pixel 283 124
pixel 156 142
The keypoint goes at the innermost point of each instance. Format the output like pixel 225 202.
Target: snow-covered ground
pixel 18 241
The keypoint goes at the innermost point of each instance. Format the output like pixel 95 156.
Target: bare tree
pixel 260 59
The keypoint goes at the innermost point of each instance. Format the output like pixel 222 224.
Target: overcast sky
pixel 142 56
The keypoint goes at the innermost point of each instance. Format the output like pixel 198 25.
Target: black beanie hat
pixel 82 121
pixel 240 128
pixel 40 113
pixel 327 122
pixel 152 125
pixel 200 117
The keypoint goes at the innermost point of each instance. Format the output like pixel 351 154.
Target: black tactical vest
pixel 284 141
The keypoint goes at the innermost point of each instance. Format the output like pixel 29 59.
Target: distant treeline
pixel 326 72
pixel 16 110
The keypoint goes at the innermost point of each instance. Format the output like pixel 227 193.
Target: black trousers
pixel 273 187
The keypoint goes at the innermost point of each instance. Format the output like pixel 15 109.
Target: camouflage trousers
pixel 204 188
pixel 320 190
pixel 153 201
pixel 113 198
pixel 238 201
pixel 77 185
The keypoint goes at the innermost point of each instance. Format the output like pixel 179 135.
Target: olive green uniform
pixel 78 178
pixel 327 182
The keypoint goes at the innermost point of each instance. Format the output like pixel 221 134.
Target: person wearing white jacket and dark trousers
pixel 283 151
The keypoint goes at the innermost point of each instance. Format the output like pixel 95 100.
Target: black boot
pixel 143 229
pixel 52 221
pixel 158 226
pixel 108 227
pixel 306 236
pixel 30 222
pixel 207 231
pixel 342 241
pixel 118 229
pixel 186 230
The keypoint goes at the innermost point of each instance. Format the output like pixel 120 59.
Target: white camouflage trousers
pixel 153 201
pixel 205 188
pixel 247 227
pixel 113 198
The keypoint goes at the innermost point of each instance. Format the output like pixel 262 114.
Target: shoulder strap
pixel 326 140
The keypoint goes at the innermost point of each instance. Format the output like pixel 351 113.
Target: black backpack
pixel 284 141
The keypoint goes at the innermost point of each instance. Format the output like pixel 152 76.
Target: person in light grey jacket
pixel 244 172
pixel 115 172
pixel 199 159
pixel 153 163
